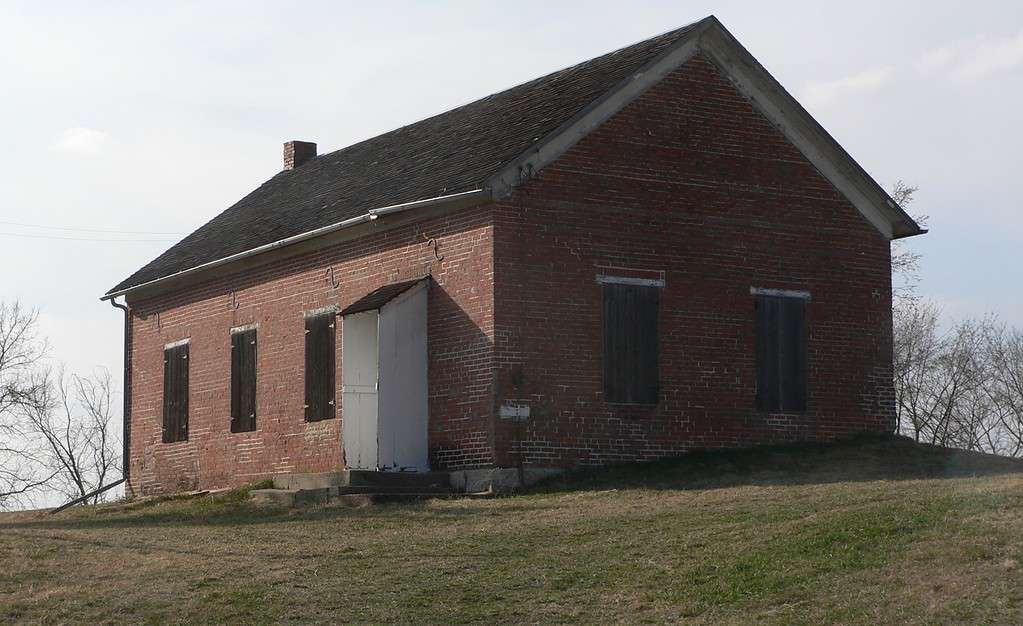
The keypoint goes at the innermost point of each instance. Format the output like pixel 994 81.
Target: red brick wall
pixel 691 181
pixel 460 340
pixel 688 181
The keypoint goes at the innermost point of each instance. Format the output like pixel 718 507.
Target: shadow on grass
pixel 855 460
pixel 859 459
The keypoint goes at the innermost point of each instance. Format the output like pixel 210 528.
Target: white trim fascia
pixel 711 39
pixel 599 111
pixel 629 280
pixel 175 344
pixel 772 100
pixel 241 329
pixel 779 293
pixel 372 214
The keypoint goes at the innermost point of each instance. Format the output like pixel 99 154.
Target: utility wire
pixel 89 230
pixel 83 238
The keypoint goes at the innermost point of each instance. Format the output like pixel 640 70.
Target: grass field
pixel 875 531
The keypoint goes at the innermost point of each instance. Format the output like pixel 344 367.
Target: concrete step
pixel 310 481
pixel 273 497
pixel 290 498
pixel 347 496
pixel 363 478
pixel 388 489
pixel 411 480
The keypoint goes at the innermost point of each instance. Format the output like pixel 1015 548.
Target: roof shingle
pixel 444 154
pixel 379 297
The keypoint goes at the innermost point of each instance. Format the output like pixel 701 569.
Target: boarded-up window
pixel 631 374
pixel 319 366
pixel 175 393
pixel 781 353
pixel 243 380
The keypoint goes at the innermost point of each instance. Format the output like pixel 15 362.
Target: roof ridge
pixel 493 144
pixel 675 32
pixel 448 152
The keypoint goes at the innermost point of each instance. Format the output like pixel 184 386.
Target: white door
pixel 359 389
pixel 402 411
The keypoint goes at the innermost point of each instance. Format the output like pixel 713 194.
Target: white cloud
pixel 824 92
pixel 975 58
pixel 81 140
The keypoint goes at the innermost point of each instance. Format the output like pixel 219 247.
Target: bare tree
pixel 905 261
pixel 75 427
pixel 941 379
pixel 916 348
pixel 21 389
pixel 1005 387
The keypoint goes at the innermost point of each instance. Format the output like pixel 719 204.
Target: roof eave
pixel 465 198
pixel 710 38
pixel 832 160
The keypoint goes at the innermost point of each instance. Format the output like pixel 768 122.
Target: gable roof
pixel 486 146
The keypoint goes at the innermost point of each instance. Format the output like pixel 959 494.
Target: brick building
pixel 653 251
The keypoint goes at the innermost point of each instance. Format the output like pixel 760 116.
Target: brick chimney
pixel 298 152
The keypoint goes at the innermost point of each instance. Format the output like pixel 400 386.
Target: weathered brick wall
pixel 274 296
pixel 691 181
pixel 688 182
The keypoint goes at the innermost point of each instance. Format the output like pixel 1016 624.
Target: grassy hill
pixel 873 531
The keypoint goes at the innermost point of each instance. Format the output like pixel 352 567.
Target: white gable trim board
pixel 713 41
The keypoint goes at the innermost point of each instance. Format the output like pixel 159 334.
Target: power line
pixel 89 230
pixel 84 238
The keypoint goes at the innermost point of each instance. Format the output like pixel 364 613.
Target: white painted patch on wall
pixel 779 293
pixel 629 280
pixel 513 410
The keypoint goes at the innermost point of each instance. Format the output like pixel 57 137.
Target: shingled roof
pixel 485 144
pixel 447 153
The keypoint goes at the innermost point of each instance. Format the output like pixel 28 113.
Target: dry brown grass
pixel 873 532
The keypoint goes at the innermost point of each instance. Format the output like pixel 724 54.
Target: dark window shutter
pixel 767 353
pixel 182 394
pixel 781 353
pixel 170 425
pixel 319 366
pixel 793 360
pixel 631 344
pixel 175 394
pixel 243 381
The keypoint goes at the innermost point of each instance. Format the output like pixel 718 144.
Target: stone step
pixel 388 489
pixel 363 478
pixel 348 496
pixel 310 481
pixel 419 480
pixel 290 498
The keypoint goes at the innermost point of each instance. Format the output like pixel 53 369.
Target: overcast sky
pixel 154 117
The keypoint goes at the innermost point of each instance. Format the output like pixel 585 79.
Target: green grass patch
pixel 871 531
